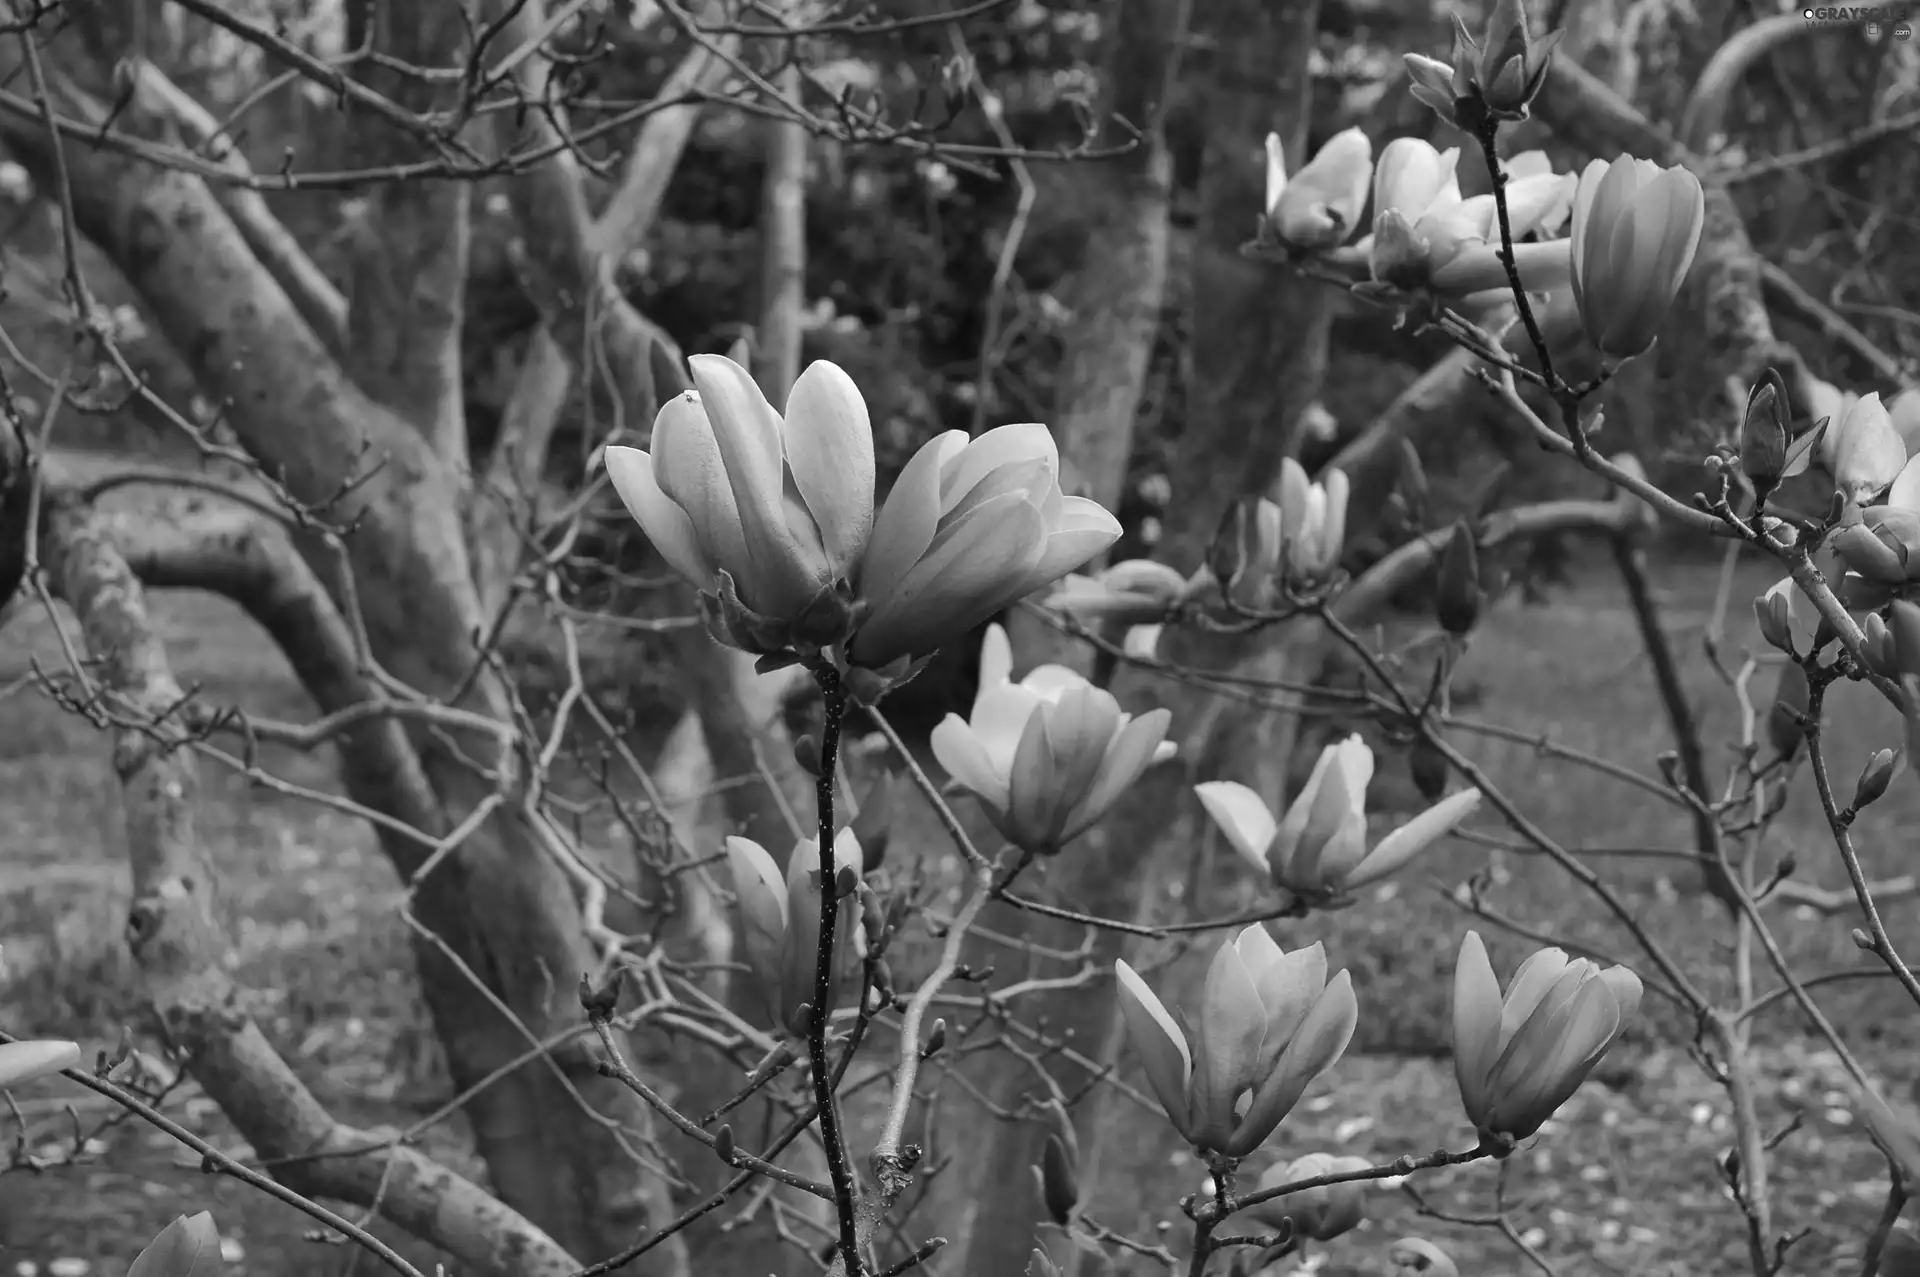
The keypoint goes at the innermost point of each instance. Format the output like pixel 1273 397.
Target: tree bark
pixel 558 1139
pixel 1259 347
pixel 174 927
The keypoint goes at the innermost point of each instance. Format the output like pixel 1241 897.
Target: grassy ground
pixel 1623 1183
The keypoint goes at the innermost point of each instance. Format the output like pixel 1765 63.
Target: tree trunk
pixel 561 1142
pixel 1259 348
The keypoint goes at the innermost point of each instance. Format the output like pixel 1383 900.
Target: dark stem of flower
pixel 833 694
pixel 1489 135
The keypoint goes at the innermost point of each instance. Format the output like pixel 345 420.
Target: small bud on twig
pixel 1875 777
pixel 723 1143
pixel 936 1039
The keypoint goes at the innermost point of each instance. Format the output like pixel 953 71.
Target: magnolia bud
pixel 1429 768
pixel 1862 940
pixel 1456 598
pixel 936 1039
pixel 723 1143
pixel 800 1020
pixel 1774 612
pixel 806 752
pixel 1877 646
pixel 1041 1266
pixel 873 918
pixel 1763 438
pixel 845 882
pixel 1059 1180
pixel 874 825
pixel 1875 777
pixel 1785 721
pixel 1227 554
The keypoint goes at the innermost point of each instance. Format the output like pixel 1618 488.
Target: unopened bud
pixel 1456 598
pixel 874 825
pixel 883 981
pixel 1059 1180
pixel 1763 437
pixel 1041 1266
pixel 1668 761
pixel 806 752
pixel 873 918
pixel 1903 622
pixel 723 1143
pixel 1862 940
pixel 1228 553
pixel 599 1002
pixel 800 1019
pixel 845 882
pixel 1786 721
pixel 1875 777
pixel 936 1039
pixel 1429 768
pixel 1774 612
pixel 1877 646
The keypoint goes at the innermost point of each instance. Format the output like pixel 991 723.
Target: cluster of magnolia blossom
pixel 1633 226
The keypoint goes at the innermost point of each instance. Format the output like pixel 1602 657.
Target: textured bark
pixel 502 906
pixel 407 296
pixel 1117 292
pixel 1259 348
pixel 178 940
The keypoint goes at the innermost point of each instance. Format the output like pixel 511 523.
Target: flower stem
pixel 833 694
pixel 1489 134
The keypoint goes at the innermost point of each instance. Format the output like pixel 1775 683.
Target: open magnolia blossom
pixel 1863 449
pixel 740 499
pixel 1048 755
pixel 780 923
pixel 1268 1023
pixel 1318 850
pixel 1501 72
pixel 1426 237
pixel 29 1061
pixel 1785 621
pixel 1321 1213
pixel 1636 227
pixel 772 517
pixel 1518 1059
pixel 1319 207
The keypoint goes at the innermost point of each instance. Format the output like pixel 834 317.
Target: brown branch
pixel 1785 292
pixel 179 943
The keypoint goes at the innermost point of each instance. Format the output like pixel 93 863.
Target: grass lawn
pixel 1623 1182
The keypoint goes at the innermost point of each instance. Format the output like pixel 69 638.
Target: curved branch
pixel 179 943
pixel 1706 110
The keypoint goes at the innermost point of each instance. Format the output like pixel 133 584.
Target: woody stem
pixel 833 694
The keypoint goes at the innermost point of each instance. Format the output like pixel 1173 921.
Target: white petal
pixel 666 524
pixel 1242 817
pixel 829 446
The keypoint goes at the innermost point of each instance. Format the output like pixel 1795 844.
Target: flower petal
pixel 906 523
pixel 956 585
pixel 666 524
pixel 1083 530
pixel 829 446
pixel 1414 837
pixel 1162 1047
pixel 1137 746
pixel 958 749
pixel 688 468
pixel 1232 1024
pixel 1242 817
pixel 1315 1047
pixel 1476 1024
pixel 29 1061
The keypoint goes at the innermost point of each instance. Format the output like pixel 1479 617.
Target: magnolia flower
pixel 1133 592
pixel 970 526
pixel 1318 850
pixel 1507 65
pixel 1426 236
pixel 1636 226
pixel 1519 1059
pixel 29 1061
pixel 1905 412
pixel 1866 451
pixel 1046 756
pixel 1319 207
pixel 1321 1213
pixel 1313 522
pixel 1883 545
pixel 1785 621
pixel 1769 450
pixel 743 501
pixel 1268 1023
pixel 780 922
